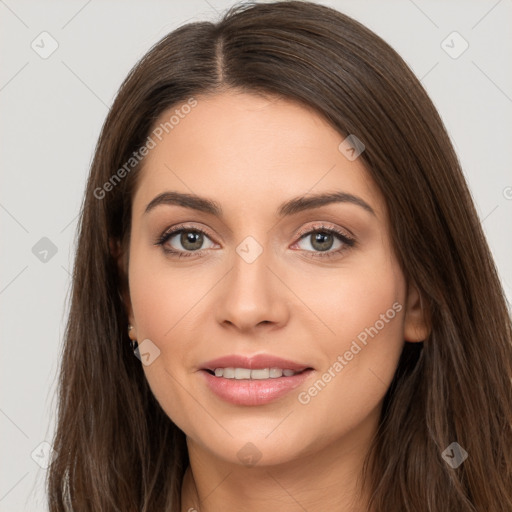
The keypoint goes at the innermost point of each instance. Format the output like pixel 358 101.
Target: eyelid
pixel 319 226
pixel 184 227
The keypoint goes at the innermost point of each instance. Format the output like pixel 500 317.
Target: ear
pixel 416 324
pixel 120 257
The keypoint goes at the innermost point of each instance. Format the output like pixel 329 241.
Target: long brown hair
pixel 118 450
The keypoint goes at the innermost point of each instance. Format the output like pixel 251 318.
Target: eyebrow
pixel 290 207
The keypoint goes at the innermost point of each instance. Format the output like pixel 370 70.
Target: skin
pixel 250 154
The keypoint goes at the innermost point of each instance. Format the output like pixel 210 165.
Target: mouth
pixel 253 380
pixel 255 373
pixel 254 387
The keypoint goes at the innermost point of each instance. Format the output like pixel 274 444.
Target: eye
pixel 321 239
pixel 190 239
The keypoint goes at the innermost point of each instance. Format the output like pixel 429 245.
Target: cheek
pixel 166 303
pixel 348 300
pixel 162 296
pixel 160 302
pixel 365 311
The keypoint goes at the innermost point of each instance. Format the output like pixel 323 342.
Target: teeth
pixel 264 373
pixel 275 372
pixel 242 373
pixel 246 373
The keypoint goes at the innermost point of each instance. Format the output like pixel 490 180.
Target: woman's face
pixel 265 278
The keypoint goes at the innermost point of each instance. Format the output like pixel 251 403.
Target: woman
pixel 282 294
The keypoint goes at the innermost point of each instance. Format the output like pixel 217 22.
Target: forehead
pixel 249 152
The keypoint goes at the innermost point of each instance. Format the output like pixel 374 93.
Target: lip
pixel 251 392
pixel 255 362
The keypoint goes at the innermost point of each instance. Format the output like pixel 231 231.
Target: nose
pixel 252 294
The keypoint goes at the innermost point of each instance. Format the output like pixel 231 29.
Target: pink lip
pixel 253 392
pixel 258 361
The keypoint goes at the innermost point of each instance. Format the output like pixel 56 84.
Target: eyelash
pixel 348 242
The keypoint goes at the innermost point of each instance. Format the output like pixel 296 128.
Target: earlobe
pixel 416 324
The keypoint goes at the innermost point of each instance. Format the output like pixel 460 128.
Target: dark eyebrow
pixel 302 203
pixel 186 200
pixel 291 207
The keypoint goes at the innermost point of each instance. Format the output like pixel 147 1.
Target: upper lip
pixel 255 362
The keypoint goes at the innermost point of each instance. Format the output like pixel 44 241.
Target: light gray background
pixel 52 111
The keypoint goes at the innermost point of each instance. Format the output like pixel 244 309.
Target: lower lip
pixel 253 391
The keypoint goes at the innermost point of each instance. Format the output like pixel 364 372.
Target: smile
pixel 259 374
pixel 253 387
